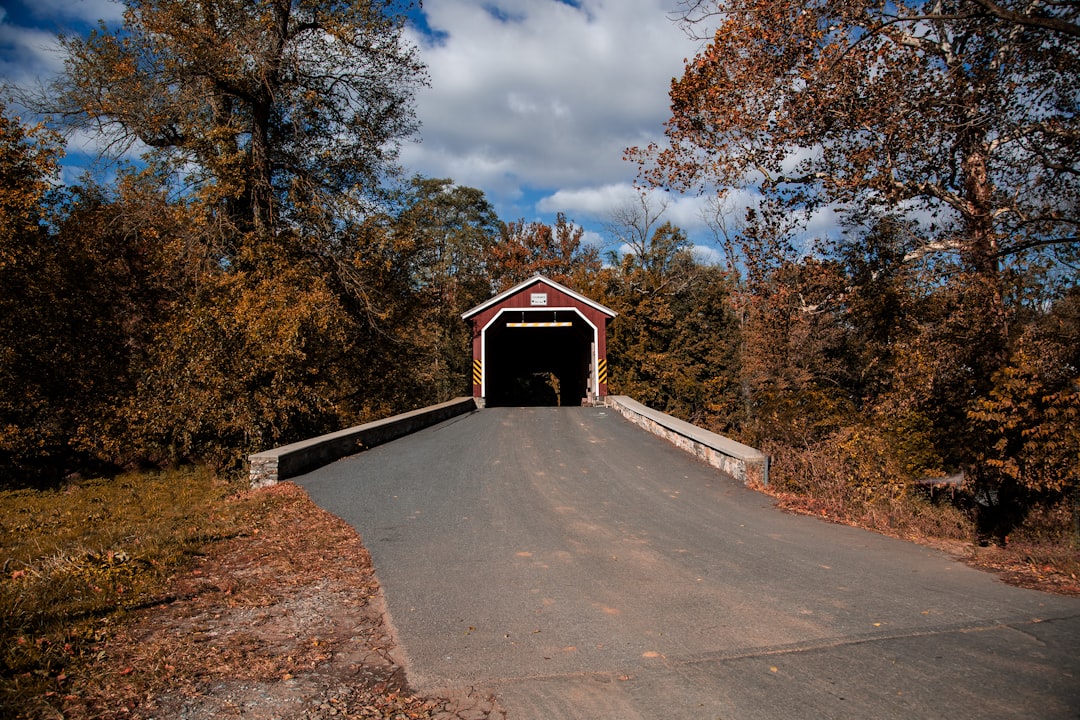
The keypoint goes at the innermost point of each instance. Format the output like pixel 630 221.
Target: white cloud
pixel 536 94
pixel 708 255
pixel 598 203
pixel 29 48
pixel 687 211
pixel 822 223
pixel 592 238
pixel 29 55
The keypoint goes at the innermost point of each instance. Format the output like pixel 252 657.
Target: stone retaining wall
pixel 742 462
pixel 272 466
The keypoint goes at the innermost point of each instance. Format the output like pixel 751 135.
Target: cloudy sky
pixel 532 101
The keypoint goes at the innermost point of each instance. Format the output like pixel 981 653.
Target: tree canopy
pixel 944 133
pixel 939 109
pixel 281 113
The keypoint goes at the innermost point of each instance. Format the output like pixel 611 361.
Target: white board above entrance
pixel 538 299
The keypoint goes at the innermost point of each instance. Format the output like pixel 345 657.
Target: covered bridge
pixel 539 343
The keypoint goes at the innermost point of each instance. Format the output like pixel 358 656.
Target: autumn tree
pixel 702 379
pixel 444 233
pixel 245 363
pixel 674 348
pixel 1030 422
pixel 279 113
pixel 1051 17
pixel 556 251
pixel 267 131
pixel 33 356
pixel 84 285
pixel 673 344
pixel 900 106
pixel 290 350
pixel 959 118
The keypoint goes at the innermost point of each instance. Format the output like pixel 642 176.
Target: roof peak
pixel 538 277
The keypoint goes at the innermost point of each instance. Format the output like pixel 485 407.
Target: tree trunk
pixel 981 248
pixel 261 174
pixel 259 178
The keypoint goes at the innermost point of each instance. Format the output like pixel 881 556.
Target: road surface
pixel 581 568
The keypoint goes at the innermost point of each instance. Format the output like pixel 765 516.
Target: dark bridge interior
pixel 538 365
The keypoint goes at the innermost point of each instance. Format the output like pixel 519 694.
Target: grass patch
pixel 76 559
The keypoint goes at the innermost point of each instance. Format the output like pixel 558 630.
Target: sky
pixel 531 101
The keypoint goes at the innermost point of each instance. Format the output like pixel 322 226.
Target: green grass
pixel 76 559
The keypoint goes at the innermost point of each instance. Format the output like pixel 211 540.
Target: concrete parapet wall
pixel 272 466
pixel 740 461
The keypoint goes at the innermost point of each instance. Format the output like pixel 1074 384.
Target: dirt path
pixel 284 621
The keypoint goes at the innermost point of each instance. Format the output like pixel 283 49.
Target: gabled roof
pixel 538 278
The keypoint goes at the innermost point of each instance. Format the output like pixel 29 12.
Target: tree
pixel 248 314
pixel 33 351
pixel 1048 16
pixel 83 287
pixel 279 112
pixel 957 117
pixel 525 249
pixel 970 120
pixel 1030 422
pixel 444 233
pixel 244 362
pixel 794 381
pixel 673 344
pixel 630 224
pixel 703 377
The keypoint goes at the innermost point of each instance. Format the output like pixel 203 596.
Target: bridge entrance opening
pixel 539 343
pixel 538 358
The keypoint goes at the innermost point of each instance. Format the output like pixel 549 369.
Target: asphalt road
pixel 581 568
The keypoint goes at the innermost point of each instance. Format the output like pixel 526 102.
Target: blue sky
pixel 532 101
